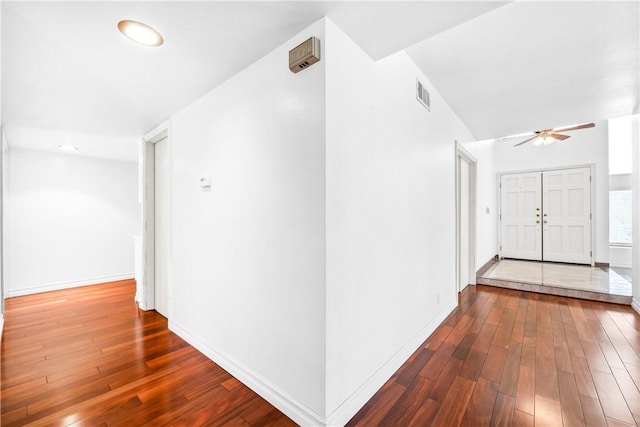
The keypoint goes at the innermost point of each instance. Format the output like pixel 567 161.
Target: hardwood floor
pixel 88 356
pixel 513 358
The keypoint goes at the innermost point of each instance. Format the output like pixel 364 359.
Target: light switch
pixel 205 183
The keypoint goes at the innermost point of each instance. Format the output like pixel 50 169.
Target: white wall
pixel 70 220
pixel 621 256
pixel 2 193
pixel 353 180
pixel 248 256
pixel 390 218
pixel 486 222
pixel 586 146
pixel 4 170
pixel 635 184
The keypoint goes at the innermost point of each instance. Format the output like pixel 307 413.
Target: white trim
pixel 635 215
pixel 158 133
pixel 1 324
pixel 594 215
pixel 147 299
pixel 555 168
pixel 294 409
pixel 4 237
pixel 621 256
pixel 620 182
pixel 67 285
pixel 347 409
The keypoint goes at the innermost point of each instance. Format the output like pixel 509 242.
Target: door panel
pixel 566 204
pixel 576 240
pixel 463 276
pixel 520 209
pixel 553 239
pixel 162 227
pixel 530 240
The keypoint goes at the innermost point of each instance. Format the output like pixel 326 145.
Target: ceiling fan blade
pixel 526 140
pixel 559 136
pixel 583 126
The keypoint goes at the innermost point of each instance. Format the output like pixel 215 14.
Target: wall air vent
pixel 304 55
pixel 422 95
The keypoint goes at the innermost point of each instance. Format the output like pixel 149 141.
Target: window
pixel 620 145
pixel 620 136
pixel 620 217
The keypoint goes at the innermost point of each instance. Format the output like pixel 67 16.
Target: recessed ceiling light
pixel 68 147
pixel 140 33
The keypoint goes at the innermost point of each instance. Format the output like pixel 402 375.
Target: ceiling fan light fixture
pixel 549 136
pixel 546 139
pixel 140 33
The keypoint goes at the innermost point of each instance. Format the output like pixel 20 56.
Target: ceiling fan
pixel 549 136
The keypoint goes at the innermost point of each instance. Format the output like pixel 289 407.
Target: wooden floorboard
pixel 88 356
pixel 513 358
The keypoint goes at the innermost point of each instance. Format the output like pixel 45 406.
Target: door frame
pixel 4 166
pixel 591 166
pixel 464 155
pixel 146 300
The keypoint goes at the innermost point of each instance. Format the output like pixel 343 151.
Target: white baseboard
pixel 347 409
pixel 292 408
pixel 67 285
pixel 635 304
pixel 1 324
pixel 620 265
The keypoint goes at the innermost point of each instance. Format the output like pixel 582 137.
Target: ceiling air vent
pixel 422 95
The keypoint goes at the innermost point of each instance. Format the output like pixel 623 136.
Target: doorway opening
pixel 155 290
pixel 547 235
pixel 466 166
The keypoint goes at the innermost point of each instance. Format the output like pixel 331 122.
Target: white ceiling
pixel 537 65
pixel 503 68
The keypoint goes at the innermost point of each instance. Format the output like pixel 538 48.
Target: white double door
pixel 546 215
